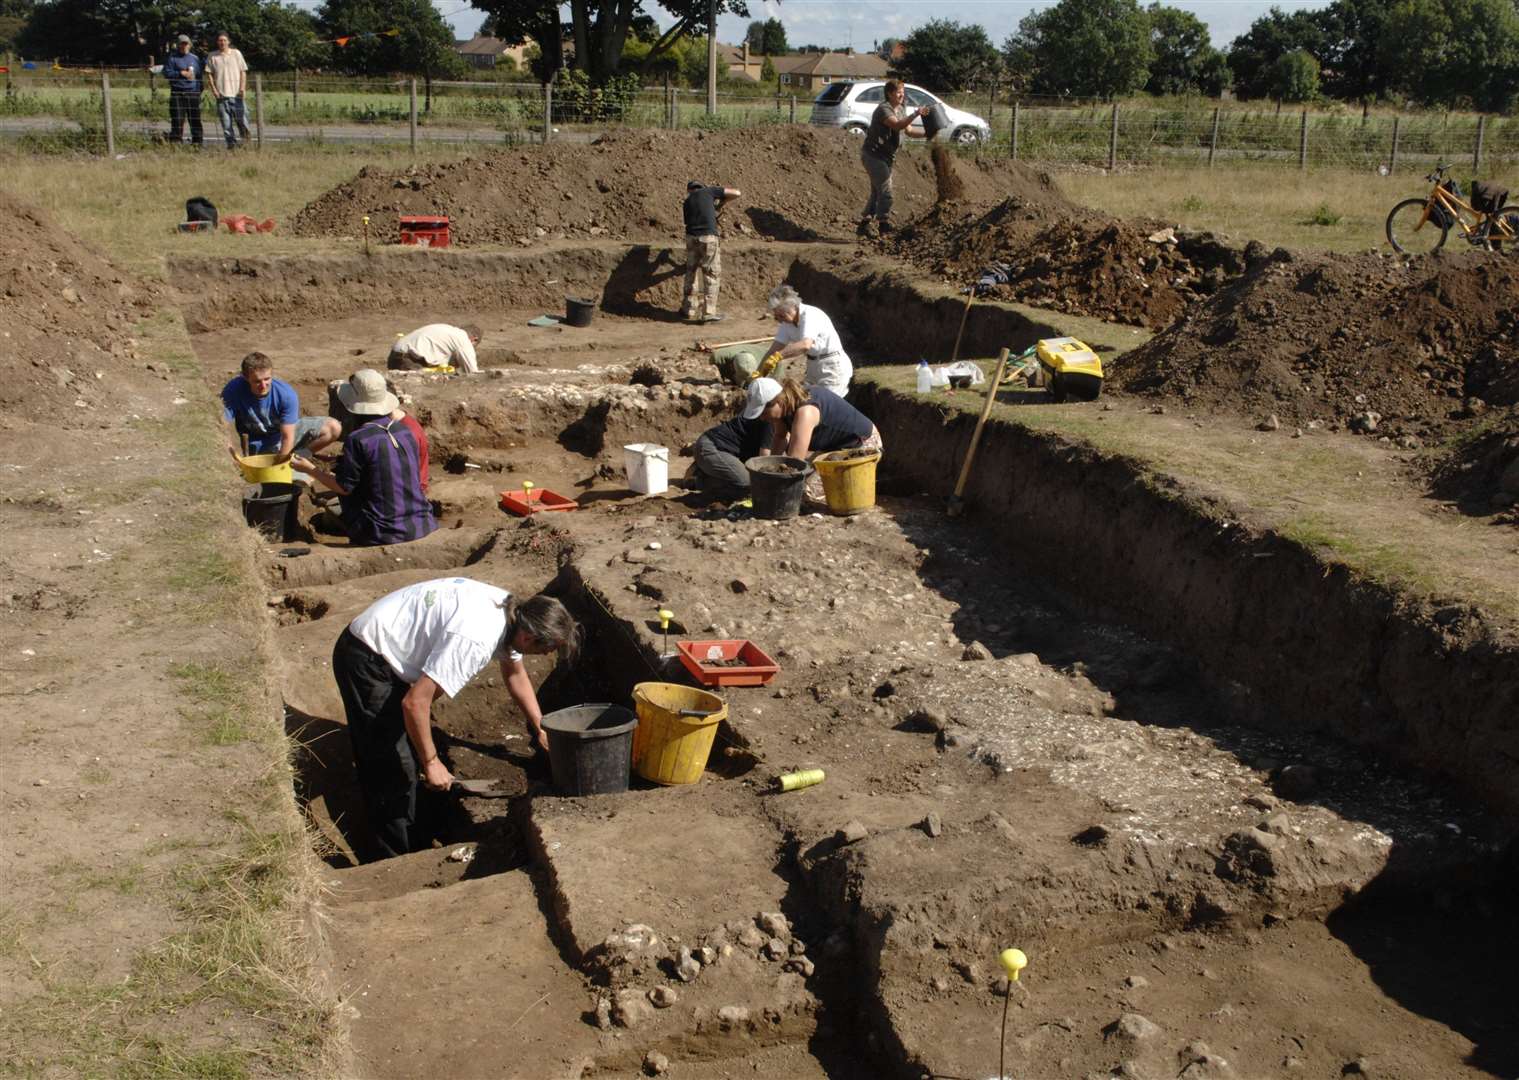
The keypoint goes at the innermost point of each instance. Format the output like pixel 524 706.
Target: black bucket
pixel 591 748
pixel 936 120
pixel 273 509
pixel 776 484
pixel 578 312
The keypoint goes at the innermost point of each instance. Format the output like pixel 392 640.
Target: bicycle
pixel 1420 226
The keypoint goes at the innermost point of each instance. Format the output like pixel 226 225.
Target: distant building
pixel 813 71
pixel 483 51
pixel 740 63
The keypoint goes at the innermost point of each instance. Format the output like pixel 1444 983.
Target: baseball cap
pixel 692 185
pixel 365 394
pixel 762 392
pixel 183 39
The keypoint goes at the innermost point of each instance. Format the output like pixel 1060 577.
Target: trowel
pixel 481 789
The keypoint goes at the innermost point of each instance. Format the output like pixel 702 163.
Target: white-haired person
pixel 413 646
pixel 804 330
pixel 808 421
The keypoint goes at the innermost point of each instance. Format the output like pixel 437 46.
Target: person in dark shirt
pixel 703 204
pixel 721 451
pixel 882 140
pixel 808 421
pixel 184 71
pixel 378 480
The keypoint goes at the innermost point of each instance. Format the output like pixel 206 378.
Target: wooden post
pixel 711 57
pixel 1477 153
pixel 1015 129
pixel 548 110
pixel 105 104
pixel 295 90
pixel 414 116
pixel 1113 141
pixel 258 110
pixel 1213 139
pixel 1302 142
pixel 793 108
pixel 1392 164
pixel 777 98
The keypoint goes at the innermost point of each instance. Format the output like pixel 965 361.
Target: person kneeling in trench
pixel 808 421
pixel 394 660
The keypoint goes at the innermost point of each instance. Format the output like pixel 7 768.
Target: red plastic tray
pixel 522 503
pixel 758 668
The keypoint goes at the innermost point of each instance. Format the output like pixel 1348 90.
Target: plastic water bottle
pixel 925 377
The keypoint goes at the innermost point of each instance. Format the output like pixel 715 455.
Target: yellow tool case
pixel 1071 369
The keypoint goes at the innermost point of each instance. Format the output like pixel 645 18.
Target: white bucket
pixel 648 468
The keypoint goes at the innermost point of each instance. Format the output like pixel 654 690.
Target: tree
pixel 13 16
pixel 387 36
pixel 766 37
pixel 1253 55
pixel 945 56
pixel 886 48
pixel 271 35
pixel 1083 48
pixel 768 74
pixel 1295 76
pixel 1349 53
pixel 1454 52
pixel 1185 61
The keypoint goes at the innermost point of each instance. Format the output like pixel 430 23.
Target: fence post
pixel 258 110
pixel 105 104
pixel 1302 142
pixel 295 89
pixel 1113 141
pixel 1015 129
pixel 1213 139
pixel 777 99
pixel 793 108
pixel 414 116
pixel 1477 153
pixel 1392 165
pixel 548 109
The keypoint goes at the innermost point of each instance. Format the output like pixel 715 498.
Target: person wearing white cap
pixel 807 421
pixel 378 480
pixel 184 70
pixel 804 330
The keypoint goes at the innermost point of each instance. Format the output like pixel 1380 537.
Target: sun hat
pixel 183 39
pixel 762 392
pixel 365 394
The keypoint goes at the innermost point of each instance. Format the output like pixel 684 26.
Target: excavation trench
pixel 1161 789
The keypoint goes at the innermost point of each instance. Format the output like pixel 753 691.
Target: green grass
pixel 1322 215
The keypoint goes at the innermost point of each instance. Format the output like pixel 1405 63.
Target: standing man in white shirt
pixel 436 346
pixel 228 73
pixel 802 329
pixel 411 647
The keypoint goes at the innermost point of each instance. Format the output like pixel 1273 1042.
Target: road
pixel 14 127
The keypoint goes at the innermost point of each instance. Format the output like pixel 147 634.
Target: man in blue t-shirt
pixel 267 412
pixel 183 70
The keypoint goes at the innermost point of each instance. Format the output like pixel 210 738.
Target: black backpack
pixel 1487 197
pixel 200 209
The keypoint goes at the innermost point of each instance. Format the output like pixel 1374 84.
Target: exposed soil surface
pixel 67 317
pixel 1414 350
pixel 1075 261
pixel 799 183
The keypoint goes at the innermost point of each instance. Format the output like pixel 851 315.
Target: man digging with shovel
pixel 404 652
pixel 703 260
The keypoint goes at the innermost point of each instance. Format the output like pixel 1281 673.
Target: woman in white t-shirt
pixel 802 329
pixel 414 645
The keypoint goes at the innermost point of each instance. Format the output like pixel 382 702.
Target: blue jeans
pixel 234 119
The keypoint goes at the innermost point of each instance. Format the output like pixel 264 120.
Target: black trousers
pixel 403 817
pixel 182 107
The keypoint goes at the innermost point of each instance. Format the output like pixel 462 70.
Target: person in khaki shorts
pixel 703 261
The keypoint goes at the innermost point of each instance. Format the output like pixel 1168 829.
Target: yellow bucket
pixel 669 748
pixel 849 480
pixel 261 469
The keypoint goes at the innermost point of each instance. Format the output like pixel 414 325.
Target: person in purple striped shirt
pixel 378 480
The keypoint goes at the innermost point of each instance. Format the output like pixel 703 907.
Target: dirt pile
pixel 946 177
pixel 66 316
pixel 1407 350
pixel 1083 263
pixel 799 183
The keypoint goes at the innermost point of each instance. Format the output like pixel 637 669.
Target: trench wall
pixel 1317 648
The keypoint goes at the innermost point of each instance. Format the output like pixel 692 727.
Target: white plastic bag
pixel 960 368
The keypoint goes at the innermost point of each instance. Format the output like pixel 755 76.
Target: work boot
pixel 883 226
pixel 713 318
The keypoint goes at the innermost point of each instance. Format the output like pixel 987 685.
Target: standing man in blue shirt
pixel 184 71
pixel 268 412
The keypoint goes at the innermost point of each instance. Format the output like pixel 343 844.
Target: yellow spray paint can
pixel 795 780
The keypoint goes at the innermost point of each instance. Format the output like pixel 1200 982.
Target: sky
pixel 838 23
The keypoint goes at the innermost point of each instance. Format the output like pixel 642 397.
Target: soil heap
pixel 66 315
pixel 1058 257
pixel 1415 349
pixel 799 183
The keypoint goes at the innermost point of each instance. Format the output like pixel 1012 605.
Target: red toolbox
pixel 424 231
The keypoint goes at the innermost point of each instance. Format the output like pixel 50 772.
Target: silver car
pixel 849 105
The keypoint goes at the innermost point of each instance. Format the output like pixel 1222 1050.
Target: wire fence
pixel 101 111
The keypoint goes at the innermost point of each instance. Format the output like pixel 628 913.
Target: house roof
pixel 833 65
pixel 482 45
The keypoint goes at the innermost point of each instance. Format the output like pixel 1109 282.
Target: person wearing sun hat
pixel 808 421
pixel 378 480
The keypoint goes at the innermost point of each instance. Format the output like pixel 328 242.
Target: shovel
pixel 956 501
pixel 481 789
